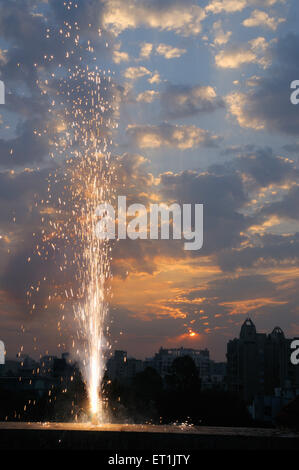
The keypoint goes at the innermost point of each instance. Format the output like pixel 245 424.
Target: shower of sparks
pixel 90 174
pixel 82 120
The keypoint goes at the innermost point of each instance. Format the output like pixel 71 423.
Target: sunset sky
pixel 204 116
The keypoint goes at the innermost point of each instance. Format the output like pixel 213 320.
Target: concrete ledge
pixel 39 436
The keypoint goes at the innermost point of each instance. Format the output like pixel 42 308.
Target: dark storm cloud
pixel 179 101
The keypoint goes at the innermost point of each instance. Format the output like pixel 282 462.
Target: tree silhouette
pixel 183 375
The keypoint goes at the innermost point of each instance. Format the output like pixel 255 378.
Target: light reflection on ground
pixel 178 429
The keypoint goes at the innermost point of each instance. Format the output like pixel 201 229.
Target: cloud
pixel 27 147
pixel 266 168
pixel 252 53
pixel 292 148
pixel 173 136
pixel 28 44
pixel 119 57
pixel 155 79
pixel 2 56
pixel 147 96
pixel 261 168
pixel 286 208
pixel 261 18
pixel 28 142
pixel 237 104
pixel 183 100
pixel 223 195
pixel 267 105
pixel 269 250
pixel 221 37
pixel 227 191
pixel 21 212
pixel 146 50
pixel 234 6
pixel 170 52
pixel 228 6
pixel 232 59
pixel 34 51
pixel 133 73
pixel 231 289
pixel 181 16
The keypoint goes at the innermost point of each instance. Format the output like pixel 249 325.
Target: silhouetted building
pixel 116 365
pixel 258 363
pixel 120 367
pixel 47 365
pixel 163 360
pixel 217 377
pixel 28 367
pixel 134 366
pixel 266 407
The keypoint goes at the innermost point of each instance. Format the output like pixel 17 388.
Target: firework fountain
pixel 84 116
pixel 90 174
pixel 91 186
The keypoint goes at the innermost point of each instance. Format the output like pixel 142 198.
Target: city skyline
pixel 257 376
pixel 201 95
pixel 161 347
